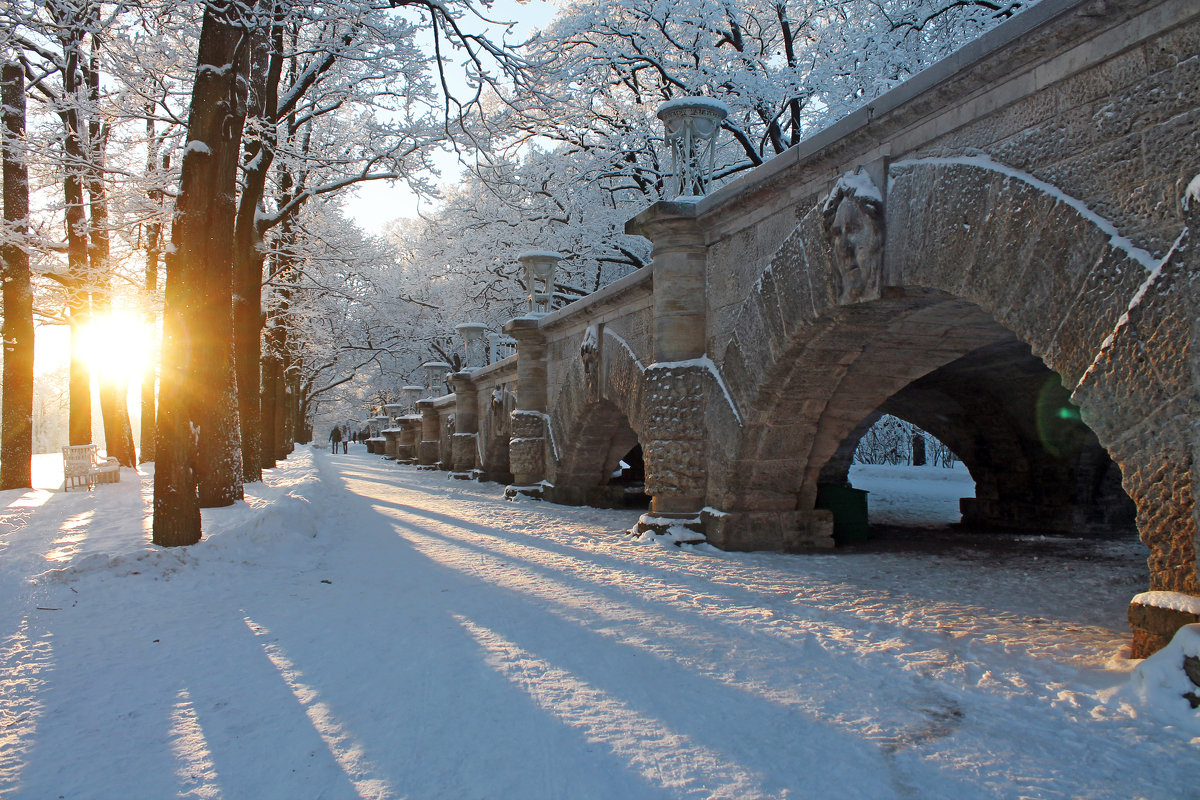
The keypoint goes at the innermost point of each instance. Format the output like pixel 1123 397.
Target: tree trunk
pixel 918 450
pixel 78 298
pixel 248 260
pixel 114 391
pixel 195 437
pixel 153 253
pixel 16 440
pixel 72 21
pixel 270 406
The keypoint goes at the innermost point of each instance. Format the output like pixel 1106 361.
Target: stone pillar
pixel 678 382
pixel 527 445
pixel 428 451
pixel 464 445
pixel 391 438
pixel 680 307
pixel 410 439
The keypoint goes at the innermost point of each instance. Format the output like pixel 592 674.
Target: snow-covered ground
pixel 358 629
pixel 913 495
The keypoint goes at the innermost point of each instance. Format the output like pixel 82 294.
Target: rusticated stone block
pixel 1105 296
pixel 783 531
pixel 677 447
pixel 527 447
pixel 464 447
pixel 1153 627
pixel 429 452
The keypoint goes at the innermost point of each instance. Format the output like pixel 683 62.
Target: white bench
pixel 82 466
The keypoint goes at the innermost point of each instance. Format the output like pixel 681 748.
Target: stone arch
pixel 599 416
pixel 975 255
pixel 1036 466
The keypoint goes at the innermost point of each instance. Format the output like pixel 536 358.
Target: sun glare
pixel 116 346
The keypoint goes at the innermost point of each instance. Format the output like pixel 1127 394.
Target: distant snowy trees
pixel 892 440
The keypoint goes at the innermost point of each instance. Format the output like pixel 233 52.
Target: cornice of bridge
pixel 1021 45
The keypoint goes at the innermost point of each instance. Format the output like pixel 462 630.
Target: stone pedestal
pixel 410 439
pixel 527 449
pixel 429 449
pixel 527 445
pixel 677 452
pixel 464 452
pixel 391 442
pixel 464 443
pixel 676 455
pixel 1156 617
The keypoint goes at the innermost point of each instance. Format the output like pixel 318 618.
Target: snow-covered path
pixel 359 629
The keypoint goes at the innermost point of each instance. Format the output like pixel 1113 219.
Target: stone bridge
pixel 1001 251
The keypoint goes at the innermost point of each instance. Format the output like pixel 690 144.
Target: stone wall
pixel 495 397
pixel 1110 119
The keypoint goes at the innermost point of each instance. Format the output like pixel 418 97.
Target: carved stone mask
pixel 854 225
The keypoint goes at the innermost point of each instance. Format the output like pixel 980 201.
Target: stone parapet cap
pixel 435 403
pixel 525 328
pixel 636 284
pixel 463 381
pixel 669 225
pixel 664 210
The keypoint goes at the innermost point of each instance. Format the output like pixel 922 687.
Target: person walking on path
pixel 335 437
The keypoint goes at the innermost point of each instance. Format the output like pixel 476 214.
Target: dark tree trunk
pixel 16 440
pixel 266 67
pixel 918 450
pixel 195 401
pixel 153 254
pixel 78 298
pixel 270 392
pixel 72 22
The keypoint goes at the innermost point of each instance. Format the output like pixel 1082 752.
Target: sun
pixel 117 346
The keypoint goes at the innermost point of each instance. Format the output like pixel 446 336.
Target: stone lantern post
pixel 411 395
pixel 677 453
pixel 435 377
pixel 474 354
pixel 539 277
pixel 464 444
pixel 692 124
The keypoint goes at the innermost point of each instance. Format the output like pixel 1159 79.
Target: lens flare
pixel 116 347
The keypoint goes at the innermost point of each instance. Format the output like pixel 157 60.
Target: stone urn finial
pixel 474 350
pixel 411 395
pixel 435 377
pixel 539 277
pixel 692 124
